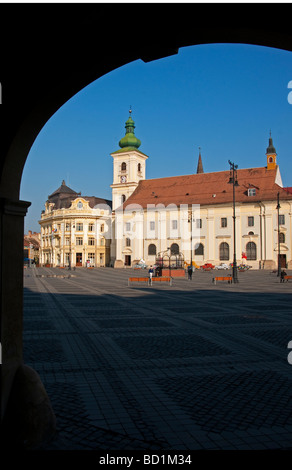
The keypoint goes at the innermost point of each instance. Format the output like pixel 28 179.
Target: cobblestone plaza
pixel 184 367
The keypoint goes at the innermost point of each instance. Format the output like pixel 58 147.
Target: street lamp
pixel 279 255
pixel 234 182
pixel 169 256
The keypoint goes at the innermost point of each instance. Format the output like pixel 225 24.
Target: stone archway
pixel 35 85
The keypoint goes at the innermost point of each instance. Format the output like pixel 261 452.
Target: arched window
pixel 174 249
pixel 282 237
pixel 123 198
pixel 152 249
pixel 271 159
pixel 199 249
pixel 139 167
pixel 124 166
pixel 251 251
pixel 224 251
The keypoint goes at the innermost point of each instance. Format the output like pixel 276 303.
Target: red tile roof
pixel 208 188
pixel 27 241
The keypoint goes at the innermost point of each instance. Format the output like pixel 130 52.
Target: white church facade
pixel 193 214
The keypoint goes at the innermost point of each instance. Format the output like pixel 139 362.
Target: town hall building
pixel 75 230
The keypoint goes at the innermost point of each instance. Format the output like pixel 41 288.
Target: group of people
pixel 151 272
pixel 190 273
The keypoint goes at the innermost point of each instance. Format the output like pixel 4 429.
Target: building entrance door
pixel 78 259
pixel 283 261
pixel 127 260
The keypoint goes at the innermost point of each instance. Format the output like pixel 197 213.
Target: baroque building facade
pixel 193 214
pixel 75 230
pixel 31 246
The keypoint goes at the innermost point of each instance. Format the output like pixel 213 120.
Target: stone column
pixel 210 242
pixel 119 263
pixel 270 242
pixel 12 215
pixel 138 237
pixel 162 235
pixel 238 235
pixel 26 414
pixel 185 221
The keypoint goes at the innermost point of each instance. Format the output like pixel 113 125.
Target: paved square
pixel 183 367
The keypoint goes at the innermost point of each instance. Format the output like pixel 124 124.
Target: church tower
pixel 129 165
pixel 271 155
pixel 200 163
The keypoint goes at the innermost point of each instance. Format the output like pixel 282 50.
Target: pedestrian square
pixel 185 366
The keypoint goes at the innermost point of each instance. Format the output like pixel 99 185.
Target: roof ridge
pixel 198 175
pixel 207 188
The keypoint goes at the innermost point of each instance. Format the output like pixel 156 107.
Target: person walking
pixel 190 272
pixel 150 275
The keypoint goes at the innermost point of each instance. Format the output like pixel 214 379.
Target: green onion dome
pixel 130 140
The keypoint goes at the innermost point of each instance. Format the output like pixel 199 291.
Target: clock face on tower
pixel 123 179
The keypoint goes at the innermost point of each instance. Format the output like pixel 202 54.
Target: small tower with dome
pixel 271 155
pixel 129 165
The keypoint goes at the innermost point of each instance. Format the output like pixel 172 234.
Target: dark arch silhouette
pixel 75 53
pixel 49 53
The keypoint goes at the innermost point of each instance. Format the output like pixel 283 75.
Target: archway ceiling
pixel 49 52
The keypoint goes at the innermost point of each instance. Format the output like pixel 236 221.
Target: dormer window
pixel 251 192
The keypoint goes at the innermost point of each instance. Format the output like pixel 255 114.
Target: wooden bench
pixel 138 279
pixel 286 278
pixel 222 278
pixel 147 279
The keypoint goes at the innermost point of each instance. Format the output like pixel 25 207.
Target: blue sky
pixel 224 98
